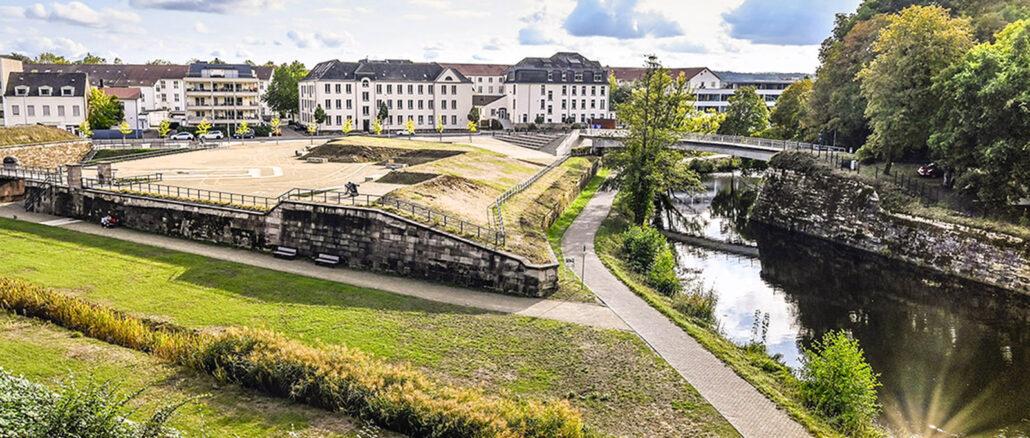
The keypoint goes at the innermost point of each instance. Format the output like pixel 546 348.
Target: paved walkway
pixel 579 313
pixel 744 407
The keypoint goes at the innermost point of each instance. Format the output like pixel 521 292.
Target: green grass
pixel 48 354
pixel 570 287
pixel 770 377
pixel 618 383
pixel 104 154
pixel 20 135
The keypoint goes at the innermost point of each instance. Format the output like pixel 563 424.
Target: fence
pixel 726 139
pixel 516 189
pixel 183 193
pixel 34 174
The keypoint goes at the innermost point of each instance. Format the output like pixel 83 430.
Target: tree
pixel 104 110
pixel 707 122
pixel 917 43
pixel 203 127
pixel 117 61
pixel 789 111
pixel 837 381
pixel 283 92
pixel 746 113
pixel 158 61
pixel 377 127
pixel 92 59
pixel 124 129
pixel 617 94
pixel 981 130
pixel 85 129
pixel 473 115
pixel 243 129
pixel 648 170
pixel 164 128
pixel 409 127
pixel 348 126
pixel 472 127
pixel 276 125
pixel 51 58
pixel 439 127
pixel 384 112
pixel 312 128
pixel 320 115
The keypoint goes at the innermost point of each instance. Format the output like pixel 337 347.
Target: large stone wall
pixel 11 189
pixel 830 206
pixel 363 238
pixel 48 155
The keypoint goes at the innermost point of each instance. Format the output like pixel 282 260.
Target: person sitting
pixel 352 189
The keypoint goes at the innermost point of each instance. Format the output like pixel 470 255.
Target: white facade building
pixel 487 79
pixel 51 99
pixel 425 93
pixel 565 87
pixel 223 94
pixel 131 99
pixel 713 89
pixel 7 66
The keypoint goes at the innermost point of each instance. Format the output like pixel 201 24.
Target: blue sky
pixel 745 35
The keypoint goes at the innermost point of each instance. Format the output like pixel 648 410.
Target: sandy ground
pixel 263 169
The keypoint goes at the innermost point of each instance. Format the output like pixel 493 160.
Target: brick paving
pixel 750 412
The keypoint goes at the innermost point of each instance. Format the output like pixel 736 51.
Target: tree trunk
pixel 887 166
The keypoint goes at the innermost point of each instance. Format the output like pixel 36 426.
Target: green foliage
pixel 384 111
pixel 283 95
pixel 91 59
pixel 105 110
pixel 838 382
pixel 348 126
pixel 648 169
pixel 95 410
pixel 746 113
pixel 377 126
pixel 707 122
pixel 662 275
pixel 789 111
pixel 915 45
pixel 648 253
pixel 312 128
pixel 320 115
pixel 51 58
pixel 276 126
pixel 473 115
pixel 124 128
pixel 698 303
pixel 164 128
pixel 243 129
pixel 409 126
pixel 85 129
pixel 203 127
pixel 982 128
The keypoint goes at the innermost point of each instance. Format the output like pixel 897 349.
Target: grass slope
pixel 48 354
pixel 768 376
pixel 20 135
pixel 621 386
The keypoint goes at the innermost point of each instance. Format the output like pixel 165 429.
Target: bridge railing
pixel 33 173
pixel 734 140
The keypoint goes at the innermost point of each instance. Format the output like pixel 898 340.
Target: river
pixel 953 356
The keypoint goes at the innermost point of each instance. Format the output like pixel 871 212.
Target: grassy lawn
pixel 570 287
pixel 49 354
pixel 620 385
pixel 19 135
pixel 768 376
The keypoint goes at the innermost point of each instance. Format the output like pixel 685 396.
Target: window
pixel 431 104
pixel 593 104
pixel 430 89
pixel 542 89
pixel 339 88
pixel 339 104
pixel 602 90
pixel 593 91
pixel 347 87
pixel 328 88
pixel 550 76
pixel 400 103
pixel 389 88
pixel 60 111
pixel 454 120
pixel 364 110
pixel 479 89
pixel 15 110
pixel 411 89
pixel 68 91
pixel 421 120
pixel 573 90
pixel 411 104
pixel 364 96
pixel 454 104
pixel 573 103
pixel 443 89
pixel 541 104
pixel 31 110
pixel 443 104
pixel 75 110
pixel 579 77
pixel 364 83
pixel 350 104
pixel 602 103
pixel 597 77
pixel 550 95
pixel 328 104
pixel 491 88
pixel 176 97
pixel 379 88
pixel 389 120
pixel 420 89
pixel 175 84
pixel 454 89
pixel 491 79
pixel 421 104
pixel 389 104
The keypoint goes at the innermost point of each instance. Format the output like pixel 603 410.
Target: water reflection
pixel 952 355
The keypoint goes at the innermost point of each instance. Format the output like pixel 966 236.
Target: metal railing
pixel 498 205
pixel 33 174
pixel 733 140
pixel 182 193
pixel 139 143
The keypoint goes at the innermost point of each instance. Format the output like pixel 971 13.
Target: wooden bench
pixel 285 252
pixel 327 260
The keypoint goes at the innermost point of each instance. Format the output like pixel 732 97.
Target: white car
pixel 402 132
pixel 213 135
pixel 181 136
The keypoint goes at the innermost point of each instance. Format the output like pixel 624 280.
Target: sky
pixel 740 35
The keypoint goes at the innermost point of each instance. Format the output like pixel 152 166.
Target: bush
pixel 838 382
pixel 262 130
pixel 662 275
pixel 337 378
pixel 648 253
pixel 89 410
pixel 698 303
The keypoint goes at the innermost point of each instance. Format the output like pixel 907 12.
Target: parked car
pixel 402 132
pixel 213 135
pixel 249 134
pixel 181 136
pixel 930 170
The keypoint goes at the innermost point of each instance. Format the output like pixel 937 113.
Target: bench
pixel 327 260
pixel 285 252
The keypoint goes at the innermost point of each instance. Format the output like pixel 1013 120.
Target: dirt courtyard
pixel 254 168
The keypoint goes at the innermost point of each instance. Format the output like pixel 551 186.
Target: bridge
pixel 745 147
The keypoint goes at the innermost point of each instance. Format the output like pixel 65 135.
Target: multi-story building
pixel 131 99
pixel 51 99
pixel 223 94
pixel 487 79
pixel 424 92
pixel 712 89
pixel 7 66
pixel 564 87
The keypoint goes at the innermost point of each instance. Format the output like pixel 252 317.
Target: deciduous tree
pixel 915 45
pixel 91 59
pixel 377 127
pixel 384 112
pixel 164 128
pixel 348 126
pixel 104 110
pixel 789 111
pixel 85 129
pixel 746 114
pixel 283 95
pixel 276 125
pixel 51 58
pixel 124 129
pixel 203 127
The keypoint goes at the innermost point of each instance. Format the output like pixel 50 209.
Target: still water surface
pixel 954 356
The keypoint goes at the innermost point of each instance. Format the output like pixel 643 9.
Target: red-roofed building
pixel 132 101
pixel 487 79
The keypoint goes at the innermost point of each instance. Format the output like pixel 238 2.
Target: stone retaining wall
pixel 363 238
pixel 11 189
pixel 48 155
pixel 846 211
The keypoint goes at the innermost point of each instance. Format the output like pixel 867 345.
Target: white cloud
pixel 61 46
pixel 200 27
pixel 76 13
pixel 210 6
pixel 330 40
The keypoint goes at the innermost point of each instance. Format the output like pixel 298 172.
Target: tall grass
pixel 336 378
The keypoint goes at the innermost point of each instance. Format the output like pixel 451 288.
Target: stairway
pixel 530 140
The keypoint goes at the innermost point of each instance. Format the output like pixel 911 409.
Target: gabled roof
pixel 264 72
pixel 380 70
pixel 116 75
pixel 56 81
pixel 484 100
pixel 535 70
pixel 479 69
pixel 764 77
pixel 633 74
pixel 123 93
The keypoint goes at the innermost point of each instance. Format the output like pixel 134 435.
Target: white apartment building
pixel 564 87
pixel 713 89
pixel 7 66
pixel 223 94
pixel 424 92
pixel 131 99
pixel 487 79
pixel 51 99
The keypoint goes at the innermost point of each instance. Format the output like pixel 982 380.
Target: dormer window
pixel 21 90
pixel 550 76
pixel 579 77
pixel 67 91
pixel 597 77
pixel 46 91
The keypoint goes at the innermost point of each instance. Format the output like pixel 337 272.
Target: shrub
pixel 88 410
pixel 698 303
pixel 838 382
pixel 337 378
pixel 642 246
pixel 662 275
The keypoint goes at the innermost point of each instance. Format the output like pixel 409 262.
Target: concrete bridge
pixel 745 147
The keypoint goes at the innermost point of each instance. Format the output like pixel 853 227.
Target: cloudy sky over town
pixel 744 35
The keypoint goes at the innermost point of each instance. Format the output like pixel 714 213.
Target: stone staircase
pixel 531 140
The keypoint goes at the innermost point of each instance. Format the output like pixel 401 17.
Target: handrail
pixel 498 204
pixel 184 193
pixel 726 139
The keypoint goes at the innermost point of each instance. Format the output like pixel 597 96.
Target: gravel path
pixel 750 412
